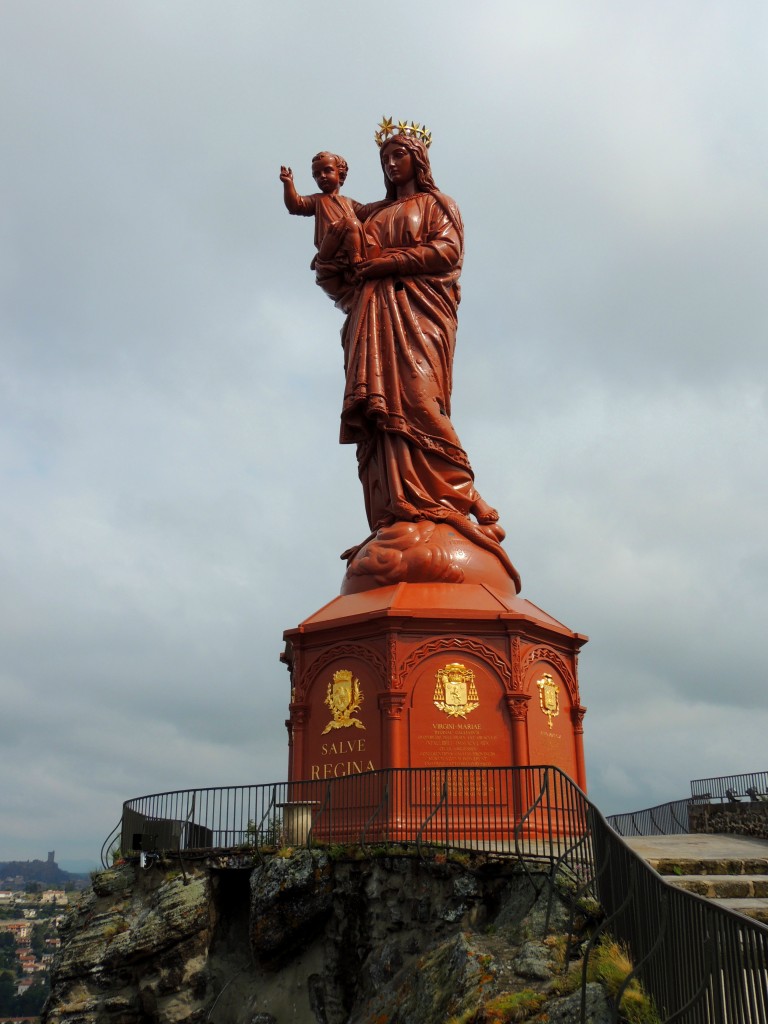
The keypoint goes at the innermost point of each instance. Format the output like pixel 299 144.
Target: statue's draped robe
pixel 399 341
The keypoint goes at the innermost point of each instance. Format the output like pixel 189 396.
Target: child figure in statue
pixel 339 236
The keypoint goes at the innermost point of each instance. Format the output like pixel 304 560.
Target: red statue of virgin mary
pixel 428 522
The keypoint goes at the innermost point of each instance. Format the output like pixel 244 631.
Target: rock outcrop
pixel 309 938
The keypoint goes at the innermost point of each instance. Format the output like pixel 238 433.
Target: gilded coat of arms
pixel 549 697
pixel 343 699
pixel 455 691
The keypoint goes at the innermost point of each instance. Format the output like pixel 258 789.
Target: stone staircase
pixel 730 869
pixel 740 885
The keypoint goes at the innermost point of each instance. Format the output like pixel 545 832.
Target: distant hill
pixel 46 871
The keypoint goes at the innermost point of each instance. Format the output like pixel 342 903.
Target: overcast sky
pixel 173 491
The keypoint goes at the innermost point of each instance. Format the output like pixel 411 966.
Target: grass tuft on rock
pixel 507 1008
pixel 610 964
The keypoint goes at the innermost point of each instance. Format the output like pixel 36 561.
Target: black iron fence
pixel 672 818
pixel 700 963
pixel 663 820
pixel 535 812
pixel 752 786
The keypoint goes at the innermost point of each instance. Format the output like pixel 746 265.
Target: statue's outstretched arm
pixel 294 203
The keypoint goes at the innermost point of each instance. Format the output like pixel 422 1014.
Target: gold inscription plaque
pixel 455 691
pixel 343 700
pixel 456 742
pixel 549 697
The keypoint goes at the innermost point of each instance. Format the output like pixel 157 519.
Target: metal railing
pixel 700 963
pixel 719 788
pixel 534 812
pixel 672 818
pixel 669 819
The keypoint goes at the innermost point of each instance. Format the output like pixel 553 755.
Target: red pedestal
pixel 432 675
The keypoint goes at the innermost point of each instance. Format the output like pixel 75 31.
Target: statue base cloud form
pixel 424 552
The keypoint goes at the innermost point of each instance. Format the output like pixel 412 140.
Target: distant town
pixel 34 898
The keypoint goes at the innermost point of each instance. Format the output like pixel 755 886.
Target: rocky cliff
pixel 321 938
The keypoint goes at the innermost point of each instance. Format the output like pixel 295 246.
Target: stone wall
pixel 734 818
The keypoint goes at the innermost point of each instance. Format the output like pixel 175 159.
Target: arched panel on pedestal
pixel 551 737
pixel 457 714
pixel 338 653
pixel 342 727
pixel 565 670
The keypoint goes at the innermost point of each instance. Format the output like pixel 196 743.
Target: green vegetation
pixel 40 932
pixel 507 1008
pixel 572 890
pixel 569 978
pixel 610 965
pixel 7 951
pixel 116 927
pixel 567 983
pixel 339 851
pixel 27 1005
pixel 513 1006
pixel 270 835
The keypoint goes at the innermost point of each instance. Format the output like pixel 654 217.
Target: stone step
pixel 667 853
pixel 732 871
pixel 721 886
pixel 734 884
pixel 678 866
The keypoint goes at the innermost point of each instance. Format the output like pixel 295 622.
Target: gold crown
pixel 388 130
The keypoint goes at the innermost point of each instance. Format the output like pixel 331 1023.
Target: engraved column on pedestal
pixel 391 704
pixel 577 717
pixel 296 726
pixel 517 705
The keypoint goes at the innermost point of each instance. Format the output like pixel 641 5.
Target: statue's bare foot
pixel 483 513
